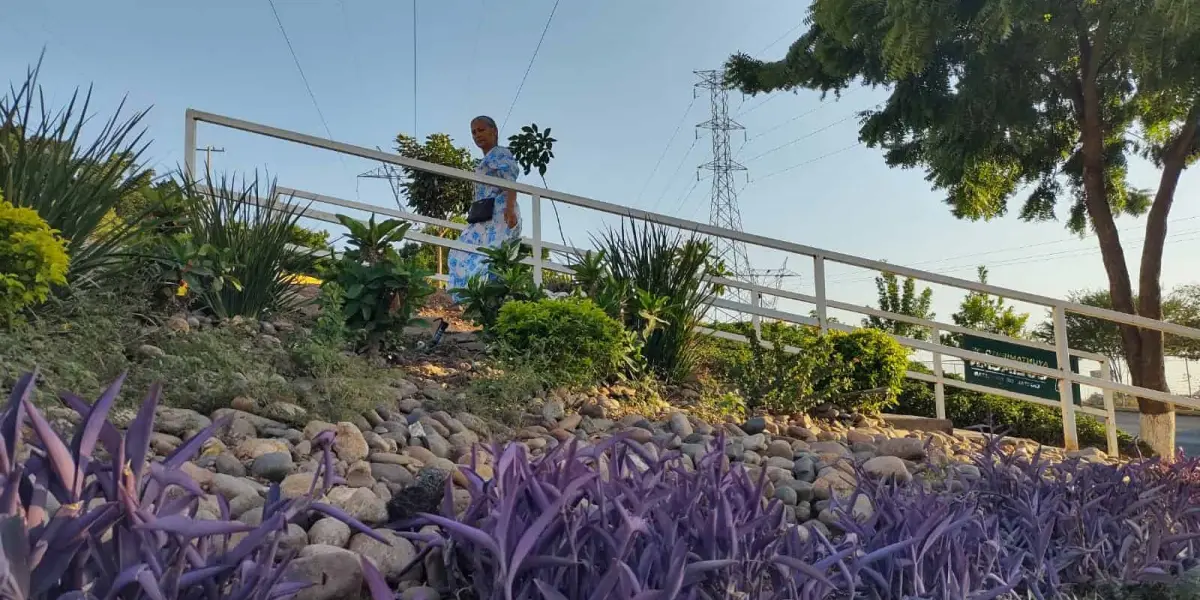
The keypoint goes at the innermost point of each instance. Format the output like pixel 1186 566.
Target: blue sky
pixel 612 79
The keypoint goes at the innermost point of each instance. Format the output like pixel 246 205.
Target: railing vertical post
pixel 756 319
pixel 939 387
pixel 189 145
pixel 1110 411
pixel 819 280
pixel 537 240
pixel 1065 398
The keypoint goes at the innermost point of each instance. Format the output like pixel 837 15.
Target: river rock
pixel 389 559
pixel 349 443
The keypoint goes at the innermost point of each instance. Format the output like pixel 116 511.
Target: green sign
pixel 1003 378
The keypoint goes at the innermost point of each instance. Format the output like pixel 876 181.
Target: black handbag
pixel 481 211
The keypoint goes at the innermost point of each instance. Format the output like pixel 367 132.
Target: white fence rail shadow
pixel 314 206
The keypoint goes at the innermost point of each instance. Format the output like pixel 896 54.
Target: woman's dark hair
pixel 486 119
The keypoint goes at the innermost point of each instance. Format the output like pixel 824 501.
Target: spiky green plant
pixel 73 181
pixel 667 272
pixel 232 214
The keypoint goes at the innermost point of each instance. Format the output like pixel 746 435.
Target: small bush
pixel 865 370
pixel 862 371
pixel 382 290
pixel 33 258
pixel 572 337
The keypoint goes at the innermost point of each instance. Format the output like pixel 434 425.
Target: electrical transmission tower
pixel 724 211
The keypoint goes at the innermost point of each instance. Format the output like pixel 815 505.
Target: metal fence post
pixel 819 280
pixel 939 387
pixel 755 318
pixel 1110 410
pixel 189 146
pixel 537 240
pixel 1065 397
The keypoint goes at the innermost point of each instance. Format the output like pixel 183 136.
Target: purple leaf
pixel 355 524
pixel 60 458
pixel 194 528
pixel 188 449
pixel 375 582
pixel 137 439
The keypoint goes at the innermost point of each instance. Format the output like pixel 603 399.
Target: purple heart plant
pixel 621 520
pixel 126 527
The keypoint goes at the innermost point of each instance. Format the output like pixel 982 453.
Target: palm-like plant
pixel 368 240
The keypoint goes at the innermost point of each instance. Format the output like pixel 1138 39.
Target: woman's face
pixel 484 134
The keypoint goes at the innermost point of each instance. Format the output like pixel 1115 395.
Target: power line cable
pixel 683 198
pixel 531 60
pixel 671 179
pixel 670 140
pixel 802 138
pixel 807 162
pixel 303 77
pixel 780 38
pixel 1182 236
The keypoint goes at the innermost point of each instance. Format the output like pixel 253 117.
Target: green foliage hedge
pixel 572 338
pixel 33 258
pixel 861 370
pixel 1013 417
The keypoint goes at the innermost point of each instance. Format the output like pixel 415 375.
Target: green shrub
pixel 322 352
pixel 226 217
pixel 1013 417
pixel 382 289
pixel 572 338
pixel 864 370
pixel 860 371
pixel 33 258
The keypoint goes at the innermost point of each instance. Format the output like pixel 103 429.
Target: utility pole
pixel 724 211
pixel 208 150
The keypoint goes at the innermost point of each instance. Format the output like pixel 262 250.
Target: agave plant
pixel 126 527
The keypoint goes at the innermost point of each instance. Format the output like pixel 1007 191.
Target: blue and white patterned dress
pixel 461 265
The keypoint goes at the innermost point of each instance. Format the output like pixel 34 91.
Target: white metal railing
pixel 1063 374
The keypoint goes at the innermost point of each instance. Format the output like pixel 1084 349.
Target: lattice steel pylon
pixel 724 211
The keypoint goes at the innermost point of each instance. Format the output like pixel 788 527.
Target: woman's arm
pixel 510 208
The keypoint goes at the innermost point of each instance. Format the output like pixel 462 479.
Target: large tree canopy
pixel 1045 100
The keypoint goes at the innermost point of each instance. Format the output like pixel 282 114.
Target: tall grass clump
pixel 661 276
pixel 73 181
pixel 254 228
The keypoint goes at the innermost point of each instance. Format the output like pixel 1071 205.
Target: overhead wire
pixel 670 140
pixel 806 162
pixel 675 173
pixel 299 68
pixel 533 58
pixel 311 96
pixel 802 138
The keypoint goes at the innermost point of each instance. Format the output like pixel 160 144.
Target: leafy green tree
pixel 1045 98
pixel 1184 308
pixel 434 195
pixel 902 300
pixel 985 312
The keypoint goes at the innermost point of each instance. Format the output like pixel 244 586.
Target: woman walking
pixel 494 217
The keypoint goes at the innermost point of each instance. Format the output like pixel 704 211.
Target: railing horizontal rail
pixel 704 228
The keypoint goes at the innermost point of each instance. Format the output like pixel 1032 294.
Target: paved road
pixel 1187 430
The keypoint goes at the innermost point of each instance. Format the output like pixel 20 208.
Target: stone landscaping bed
pixel 395 458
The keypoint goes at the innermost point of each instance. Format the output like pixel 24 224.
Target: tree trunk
pixel 1158 418
pixel 1143 356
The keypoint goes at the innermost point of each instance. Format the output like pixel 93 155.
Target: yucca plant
pixel 243 218
pixel 667 272
pixel 73 182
